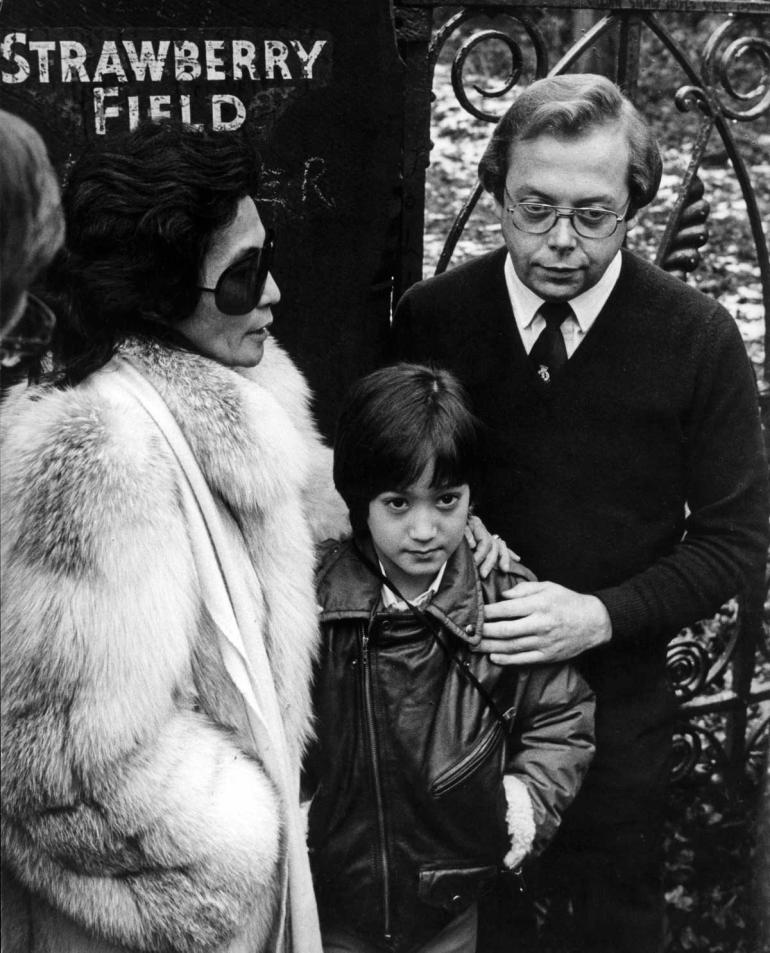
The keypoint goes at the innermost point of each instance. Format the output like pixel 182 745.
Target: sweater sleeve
pixel 725 539
pixel 124 807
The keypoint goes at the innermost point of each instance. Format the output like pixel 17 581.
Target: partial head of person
pixel 568 166
pixel 406 460
pixel 165 242
pixel 31 232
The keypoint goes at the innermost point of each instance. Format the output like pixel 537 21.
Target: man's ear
pixel 497 206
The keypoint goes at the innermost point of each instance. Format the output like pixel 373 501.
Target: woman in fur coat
pixel 161 491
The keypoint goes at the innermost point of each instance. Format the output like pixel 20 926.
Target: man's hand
pixel 543 622
pixel 488 551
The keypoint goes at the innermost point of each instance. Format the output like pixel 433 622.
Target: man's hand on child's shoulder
pixel 489 551
pixel 540 622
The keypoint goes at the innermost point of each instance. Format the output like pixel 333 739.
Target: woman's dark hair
pixel 395 422
pixel 141 211
pixel 570 106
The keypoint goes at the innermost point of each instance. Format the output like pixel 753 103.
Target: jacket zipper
pixel 372 736
pixel 463 769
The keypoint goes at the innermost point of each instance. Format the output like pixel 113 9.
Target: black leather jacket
pixel 408 818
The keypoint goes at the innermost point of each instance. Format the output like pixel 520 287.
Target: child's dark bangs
pixel 408 461
pixel 454 452
pixel 450 469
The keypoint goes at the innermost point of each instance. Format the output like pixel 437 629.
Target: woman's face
pixel 233 340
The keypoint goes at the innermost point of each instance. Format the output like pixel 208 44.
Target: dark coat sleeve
pixel 553 742
pixel 552 737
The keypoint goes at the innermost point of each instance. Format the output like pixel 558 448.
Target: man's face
pixel 591 170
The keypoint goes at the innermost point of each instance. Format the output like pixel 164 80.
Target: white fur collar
pixel 248 448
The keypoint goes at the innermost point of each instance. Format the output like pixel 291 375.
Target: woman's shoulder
pixel 71 453
pixel 79 426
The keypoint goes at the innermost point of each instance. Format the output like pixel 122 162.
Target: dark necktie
pixel 549 354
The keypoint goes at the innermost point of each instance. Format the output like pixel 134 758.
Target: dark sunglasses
pixel 240 286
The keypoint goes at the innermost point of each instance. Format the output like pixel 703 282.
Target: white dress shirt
pixel 585 307
pixel 392 602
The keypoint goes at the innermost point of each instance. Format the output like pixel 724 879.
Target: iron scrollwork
pixel 516 69
pixel 697 750
pixel 706 92
pixel 687 663
pixel 514 75
pixel 719 64
pixel 695 663
pixel 688 229
pixel 539 49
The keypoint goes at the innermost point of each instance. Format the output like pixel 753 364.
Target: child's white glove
pixel 520 818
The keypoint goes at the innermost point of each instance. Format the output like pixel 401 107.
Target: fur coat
pixel 135 815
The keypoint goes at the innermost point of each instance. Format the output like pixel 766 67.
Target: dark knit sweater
pixel 656 409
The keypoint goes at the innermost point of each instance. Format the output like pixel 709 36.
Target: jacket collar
pixel 242 438
pixel 348 589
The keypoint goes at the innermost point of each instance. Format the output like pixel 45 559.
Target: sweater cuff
pixel 626 611
pixel 520 819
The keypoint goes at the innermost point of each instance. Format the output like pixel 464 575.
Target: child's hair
pixel 393 423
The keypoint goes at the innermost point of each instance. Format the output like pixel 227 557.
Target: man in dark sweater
pixel 627 463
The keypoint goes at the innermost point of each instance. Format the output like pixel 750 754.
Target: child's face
pixel 417 529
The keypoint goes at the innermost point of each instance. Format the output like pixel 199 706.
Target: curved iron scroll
pixel 704 94
pixel 697 750
pixel 695 664
pixel 686 753
pixel 517 59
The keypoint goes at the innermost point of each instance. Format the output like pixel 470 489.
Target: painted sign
pixel 155 74
pixel 320 84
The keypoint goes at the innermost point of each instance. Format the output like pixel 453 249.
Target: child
pixel 434 768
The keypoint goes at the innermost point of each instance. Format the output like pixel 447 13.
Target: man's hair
pixel 393 423
pixel 568 107
pixel 141 213
pixel 31 219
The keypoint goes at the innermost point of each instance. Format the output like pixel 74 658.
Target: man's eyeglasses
pixel 537 218
pixel 240 286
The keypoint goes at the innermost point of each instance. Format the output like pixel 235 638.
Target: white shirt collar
pixel 586 306
pixel 390 601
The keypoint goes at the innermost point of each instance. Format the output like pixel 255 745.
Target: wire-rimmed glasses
pixel 537 218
